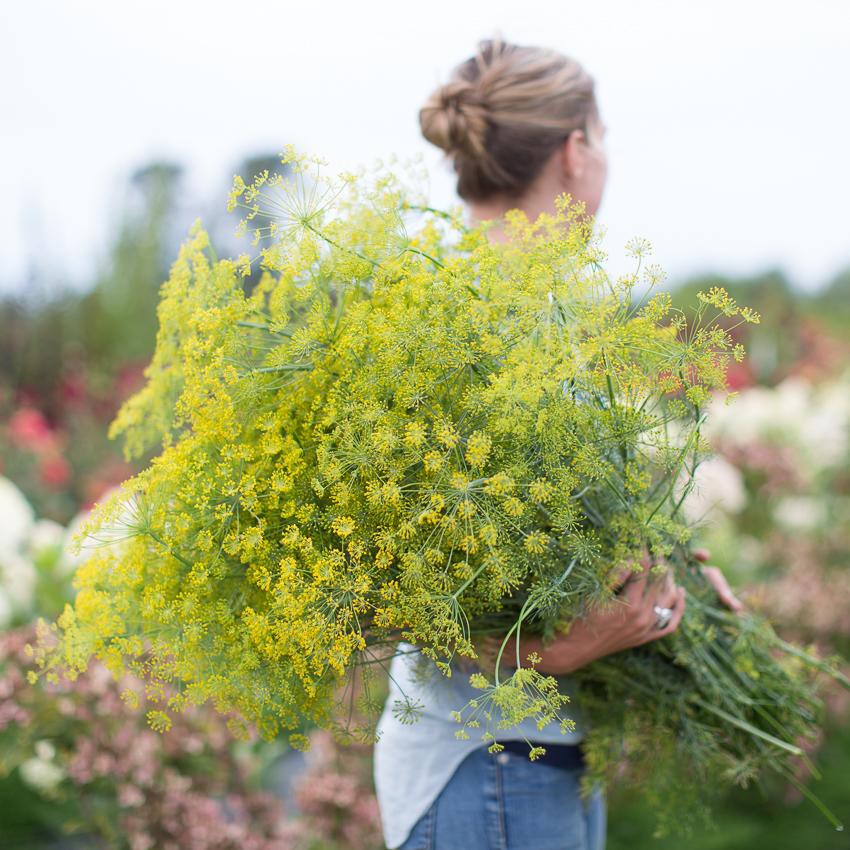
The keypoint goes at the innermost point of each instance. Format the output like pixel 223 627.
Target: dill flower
pixel 366 446
pixel 540 490
pixel 414 434
pixel 536 542
pixel 477 450
pixel 343 526
pixel 446 434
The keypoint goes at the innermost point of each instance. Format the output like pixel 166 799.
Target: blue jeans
pixel 507 802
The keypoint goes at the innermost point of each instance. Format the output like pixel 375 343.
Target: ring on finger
pixel 662 616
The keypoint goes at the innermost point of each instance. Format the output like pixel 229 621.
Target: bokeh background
pixel 728 131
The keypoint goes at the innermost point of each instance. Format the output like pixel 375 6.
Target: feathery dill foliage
pixel 405 431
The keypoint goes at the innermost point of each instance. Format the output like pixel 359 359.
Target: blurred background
pixel 728 131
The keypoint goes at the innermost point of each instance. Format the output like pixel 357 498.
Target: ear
pixel 573 152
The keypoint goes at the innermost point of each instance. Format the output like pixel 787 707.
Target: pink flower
pixel 28 427
pixel 55 471
pixel 129 795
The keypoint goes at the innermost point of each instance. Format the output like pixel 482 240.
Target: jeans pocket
pixel 422 835
pixel 543 808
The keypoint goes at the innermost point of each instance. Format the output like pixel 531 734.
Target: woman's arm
pixel 629 622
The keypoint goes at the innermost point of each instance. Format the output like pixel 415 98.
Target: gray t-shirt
pixel 414 761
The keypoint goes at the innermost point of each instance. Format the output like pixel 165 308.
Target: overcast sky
pixel 728 122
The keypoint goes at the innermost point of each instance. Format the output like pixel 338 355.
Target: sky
pixel 728 122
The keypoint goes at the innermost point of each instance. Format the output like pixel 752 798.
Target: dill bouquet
pixel 398 429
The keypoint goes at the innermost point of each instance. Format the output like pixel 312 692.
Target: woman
pixel 521 125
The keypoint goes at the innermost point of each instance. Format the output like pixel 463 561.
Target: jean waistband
pixel 569 756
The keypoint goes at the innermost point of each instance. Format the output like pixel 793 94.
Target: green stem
pixel 813 798
pixel 288 367
pixel 747 727
pixel 154 536
pixel 374 263
pixel 427 256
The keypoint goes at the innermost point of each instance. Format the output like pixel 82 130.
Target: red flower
pixel 739 376
pixel 130 378
pixel 73 389
pixel 55 471
pixel 28 427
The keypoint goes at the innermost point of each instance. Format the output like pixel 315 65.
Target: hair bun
pixel 503 112
pixel 455 119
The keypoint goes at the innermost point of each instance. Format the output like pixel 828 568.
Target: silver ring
pixel 663 616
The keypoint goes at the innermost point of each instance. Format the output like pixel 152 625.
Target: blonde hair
pixel 502 114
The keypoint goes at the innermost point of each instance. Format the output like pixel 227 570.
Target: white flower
pixel 792 401
pixel 718 489
pixel 42 774
pixel 800 513
pixel 44 536
pixel 16 517
pixel 44 749
pixel 823 431
pixel 108 534
pixel 6 611
pixel 17 579
pixel 69 560
pixel 812 421
pixel 742 420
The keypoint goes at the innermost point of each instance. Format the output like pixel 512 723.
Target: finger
pixel 635 588
pixel 662 580
pixel 627 575
pixel 669 597
pixel 721 587
pixel 659 577
pixel 701 554
pixel 661 584
pixel 621 577
pixel 665 597
pixel 678 613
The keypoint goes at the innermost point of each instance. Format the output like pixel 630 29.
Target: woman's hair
pixel 502 114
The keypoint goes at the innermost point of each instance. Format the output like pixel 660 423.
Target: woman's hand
pixel 718 582
pixel 630 621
